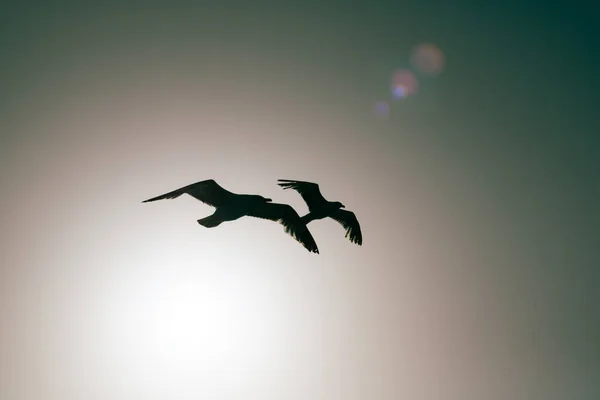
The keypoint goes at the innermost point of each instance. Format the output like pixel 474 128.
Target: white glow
pixel 196 313
pixel 183 321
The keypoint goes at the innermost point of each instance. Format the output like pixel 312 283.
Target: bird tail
pixel 307 218
pixel 211 221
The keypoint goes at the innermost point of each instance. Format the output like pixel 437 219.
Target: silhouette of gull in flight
pixel 320 208
pixel 231 206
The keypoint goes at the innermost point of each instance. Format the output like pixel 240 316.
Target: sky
pixel 476 193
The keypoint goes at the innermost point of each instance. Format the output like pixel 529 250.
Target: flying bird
pixel 320 208
pixel 231 206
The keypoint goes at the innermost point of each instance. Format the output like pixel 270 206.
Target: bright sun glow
pixel 193 309
pixel 185 321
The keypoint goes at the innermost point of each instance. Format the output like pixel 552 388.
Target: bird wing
pixel 350 223
pixel 208 192
pixel 308 190
pixel 289 218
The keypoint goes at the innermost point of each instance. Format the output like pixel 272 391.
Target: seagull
pixel 231 206
pixel 320 208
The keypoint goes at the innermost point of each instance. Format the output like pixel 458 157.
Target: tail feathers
pixel 307 218
pixel 210 221
pixel 170 195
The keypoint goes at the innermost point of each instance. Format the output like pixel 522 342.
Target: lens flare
pixel 404 84
pixel 428 59
pixel 399 92
pixel 382 109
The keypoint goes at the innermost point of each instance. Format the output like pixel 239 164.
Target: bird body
pixel 320 208
pixel 236 208
pixel 231 206
pixel 322 212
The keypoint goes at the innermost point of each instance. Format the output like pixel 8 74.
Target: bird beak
pixel 343 206
pixel 268 200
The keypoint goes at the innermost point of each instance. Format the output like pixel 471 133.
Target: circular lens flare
pixel 404 84
pixel 382 109
pixel 399 91
pixel 428 59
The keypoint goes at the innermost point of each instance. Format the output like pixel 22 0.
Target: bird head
pixel 339 204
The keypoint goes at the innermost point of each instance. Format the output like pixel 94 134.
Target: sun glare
pixel 187 321
pixel 193 308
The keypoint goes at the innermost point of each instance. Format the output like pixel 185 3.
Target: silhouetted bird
pixel 320 208
pixel 231 206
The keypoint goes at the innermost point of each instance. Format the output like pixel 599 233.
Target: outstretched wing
pixel 289 218
pixel 308 190
pixel 208 192
pixel 350 223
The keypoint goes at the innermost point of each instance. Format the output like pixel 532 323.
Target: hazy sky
pixel 477 197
